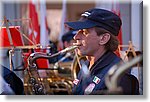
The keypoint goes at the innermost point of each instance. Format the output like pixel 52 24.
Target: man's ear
pixel 104 38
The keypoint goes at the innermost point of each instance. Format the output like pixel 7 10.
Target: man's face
pixel 88 42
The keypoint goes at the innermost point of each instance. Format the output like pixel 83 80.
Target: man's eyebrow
pixel 86 30
pixel 79 31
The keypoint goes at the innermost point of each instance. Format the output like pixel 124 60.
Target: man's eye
pixel 85 32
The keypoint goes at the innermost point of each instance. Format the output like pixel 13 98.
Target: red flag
pixel 33 15
pixel 14 34
pixel 43 63
pixel 35 9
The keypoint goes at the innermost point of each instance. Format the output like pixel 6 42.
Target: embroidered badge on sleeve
pixel 96 80
pixel 89 89
pixel 76 81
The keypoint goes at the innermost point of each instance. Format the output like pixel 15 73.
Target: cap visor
pixel 81 24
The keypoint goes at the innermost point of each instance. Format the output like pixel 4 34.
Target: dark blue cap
pixel 68 36
pixel 98 18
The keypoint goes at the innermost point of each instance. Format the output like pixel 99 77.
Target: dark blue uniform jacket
pixel 96 81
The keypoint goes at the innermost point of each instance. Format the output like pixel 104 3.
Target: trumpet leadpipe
pixel 68 49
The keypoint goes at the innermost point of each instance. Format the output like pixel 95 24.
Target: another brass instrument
pixel 115 72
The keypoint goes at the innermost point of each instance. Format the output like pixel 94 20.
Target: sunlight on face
pixel 88 39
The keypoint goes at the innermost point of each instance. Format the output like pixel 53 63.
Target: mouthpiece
pixel 68 49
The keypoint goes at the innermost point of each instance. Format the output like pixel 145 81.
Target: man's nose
pixel 77 36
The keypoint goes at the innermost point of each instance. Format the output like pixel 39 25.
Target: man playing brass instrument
pixel 97 40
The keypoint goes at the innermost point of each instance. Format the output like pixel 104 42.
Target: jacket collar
pixel 106 59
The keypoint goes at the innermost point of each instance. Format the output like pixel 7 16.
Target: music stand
pixel 15 36
pixel 131 50
pixel 12 38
